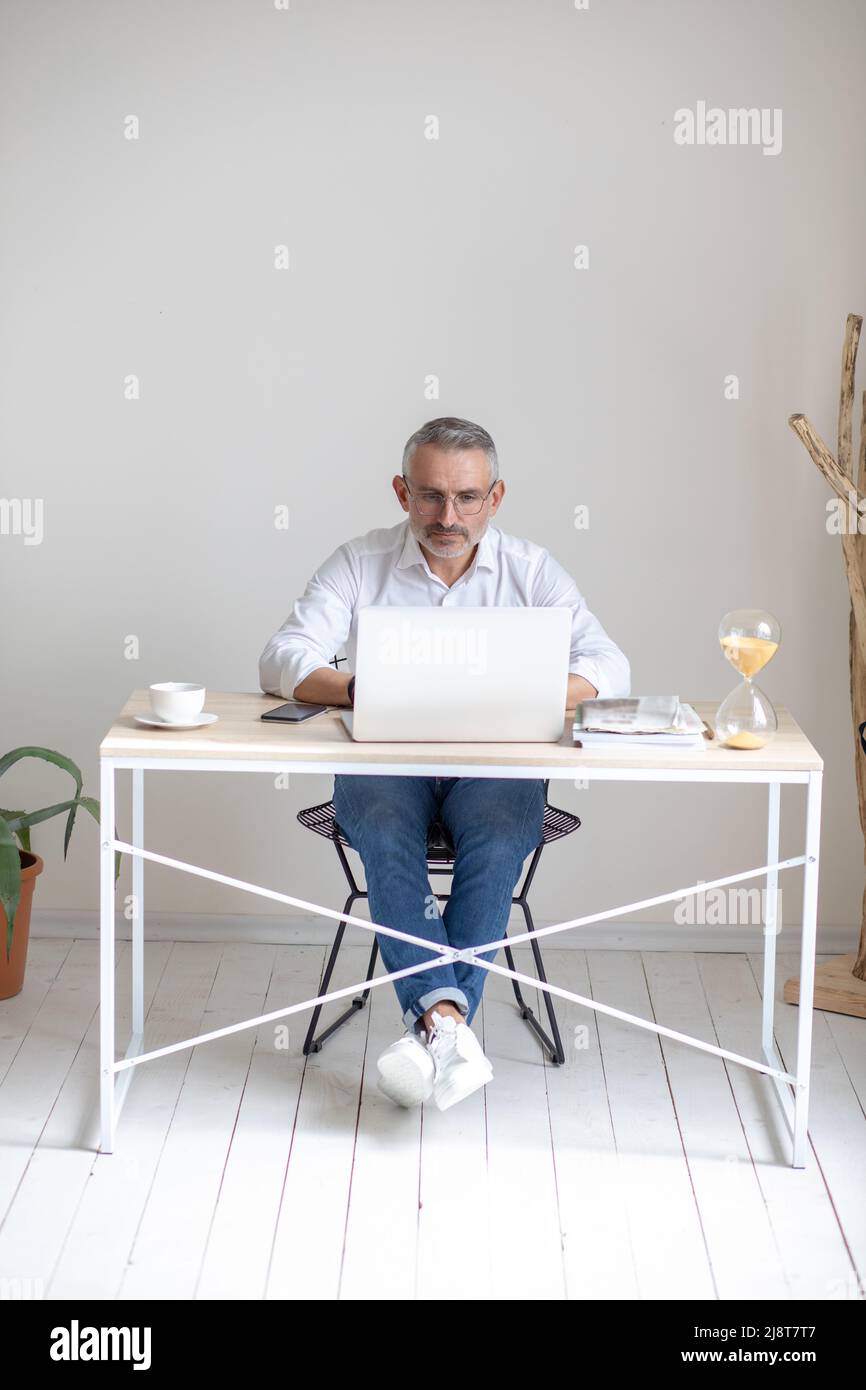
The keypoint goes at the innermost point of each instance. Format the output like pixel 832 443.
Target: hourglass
pixel 749 638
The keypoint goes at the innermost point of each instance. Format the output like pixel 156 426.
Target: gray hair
pixel 452 434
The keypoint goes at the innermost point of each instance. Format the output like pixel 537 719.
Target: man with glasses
pixel 446 552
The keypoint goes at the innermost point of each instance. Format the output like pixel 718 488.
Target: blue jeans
pixel 494 824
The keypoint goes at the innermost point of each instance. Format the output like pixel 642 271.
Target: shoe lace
pixel 445 1037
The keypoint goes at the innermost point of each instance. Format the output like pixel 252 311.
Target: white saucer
pixel 154 722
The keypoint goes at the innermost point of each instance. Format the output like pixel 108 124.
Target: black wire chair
pixel 441 854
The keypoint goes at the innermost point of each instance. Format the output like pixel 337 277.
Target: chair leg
pixel 315 1044
pixel 520 898
pixel 554 1049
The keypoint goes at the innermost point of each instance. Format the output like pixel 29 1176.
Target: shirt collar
pixel 412 554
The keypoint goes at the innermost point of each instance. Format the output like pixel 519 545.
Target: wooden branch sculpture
pixel 839 473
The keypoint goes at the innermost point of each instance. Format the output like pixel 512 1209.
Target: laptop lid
pixel 471 674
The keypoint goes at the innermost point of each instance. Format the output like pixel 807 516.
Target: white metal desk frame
pixel 116 1075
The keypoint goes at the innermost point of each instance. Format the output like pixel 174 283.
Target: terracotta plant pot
pixel 12 970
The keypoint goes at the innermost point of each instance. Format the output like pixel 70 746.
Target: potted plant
pixel 20 867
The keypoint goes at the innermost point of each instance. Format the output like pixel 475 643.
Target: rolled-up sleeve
pixel 594 655
pixel 314 631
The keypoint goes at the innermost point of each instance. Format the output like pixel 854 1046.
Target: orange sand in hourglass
pixel 744 739
pixel 749 655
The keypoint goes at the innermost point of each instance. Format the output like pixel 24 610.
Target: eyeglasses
pixel 468 503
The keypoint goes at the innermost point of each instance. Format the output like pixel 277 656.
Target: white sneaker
pixel 460 1064
pixel 406 1070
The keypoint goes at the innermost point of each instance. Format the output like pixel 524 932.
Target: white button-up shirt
pixel 388 566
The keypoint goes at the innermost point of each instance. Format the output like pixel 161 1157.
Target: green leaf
pixel 28 818
pixel 15 825
pixel 10 880
pixel 91 804
pixel 70 821
pixel 22 836
pixel 50 755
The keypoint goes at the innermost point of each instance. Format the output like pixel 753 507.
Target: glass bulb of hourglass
pixel 746 719
pixel 749 637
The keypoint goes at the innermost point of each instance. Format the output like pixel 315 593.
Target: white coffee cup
pixel 176 702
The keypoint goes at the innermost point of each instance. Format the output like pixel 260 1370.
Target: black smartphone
pixel 293 714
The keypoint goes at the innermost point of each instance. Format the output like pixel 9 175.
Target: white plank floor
pixel 641 1169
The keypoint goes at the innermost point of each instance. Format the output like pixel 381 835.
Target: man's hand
pixel 578 689
pixel 324 686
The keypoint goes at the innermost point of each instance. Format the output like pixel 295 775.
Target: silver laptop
pixel 460 675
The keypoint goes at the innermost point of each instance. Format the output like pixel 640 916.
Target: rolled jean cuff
pixel 432 996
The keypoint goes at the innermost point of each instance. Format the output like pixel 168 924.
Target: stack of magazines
pixel 647 719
